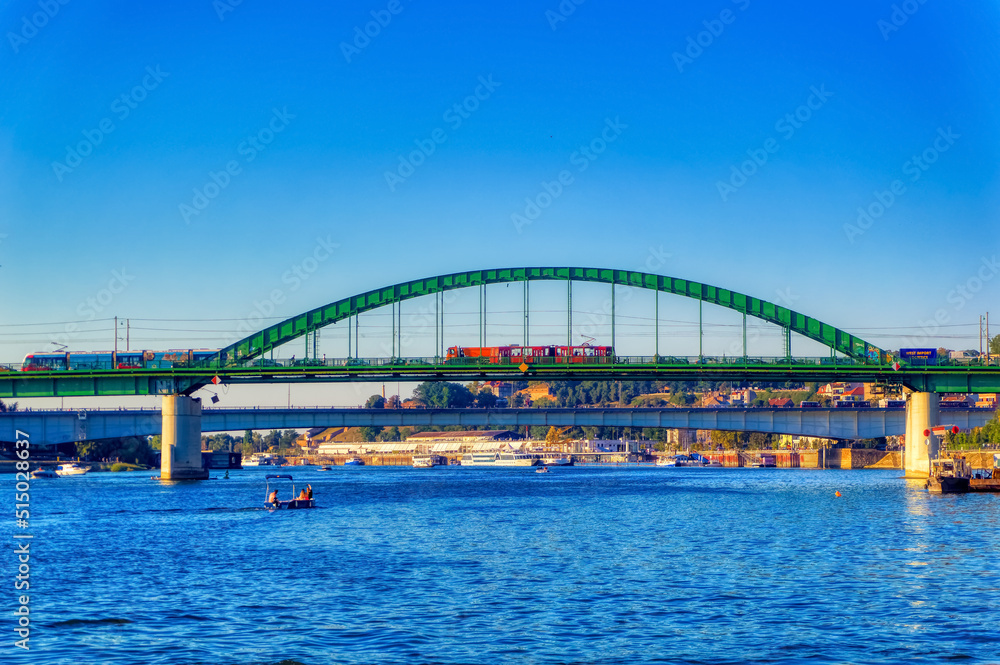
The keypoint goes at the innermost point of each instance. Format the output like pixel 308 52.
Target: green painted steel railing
pixel 965 379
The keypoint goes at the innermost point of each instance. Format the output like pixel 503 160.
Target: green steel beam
pixel 281 333
pixel 942 379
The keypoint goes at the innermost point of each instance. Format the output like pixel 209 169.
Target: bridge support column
pixel 180 452
pixel 922 413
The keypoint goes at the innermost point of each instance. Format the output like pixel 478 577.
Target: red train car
pixel 516 354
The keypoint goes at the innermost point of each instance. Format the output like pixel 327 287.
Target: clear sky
pixel 177 165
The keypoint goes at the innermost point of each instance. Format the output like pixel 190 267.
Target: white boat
pixel 264 459
pixel 44 473
pixel 557 460
pixel 71 469
pixel 428 461
pixel 666 461
pixel 499 458
pixel 354 461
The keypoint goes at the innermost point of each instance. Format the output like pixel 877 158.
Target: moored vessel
pixel 354 461
pixel 71 470
pixel 499 458
pixel 986 480
pixel 949 476
pixel 428 461
pixel 264 459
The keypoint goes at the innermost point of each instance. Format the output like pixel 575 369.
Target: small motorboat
pixel 71 470
pixel 326 467
pixel 354 461
pixel 44 473
pixel 543 469
pixel 272 501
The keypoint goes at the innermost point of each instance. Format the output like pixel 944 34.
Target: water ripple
pixel 591 565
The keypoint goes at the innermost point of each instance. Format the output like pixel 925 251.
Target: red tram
pixel 515 354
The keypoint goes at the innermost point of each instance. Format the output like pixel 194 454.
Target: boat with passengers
pixel 297 501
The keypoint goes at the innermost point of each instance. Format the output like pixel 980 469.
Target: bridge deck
pixel 58 426
pixel 942 379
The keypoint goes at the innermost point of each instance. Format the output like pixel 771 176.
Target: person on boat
pixel 302 495
pixel 309 491
pixel 273 498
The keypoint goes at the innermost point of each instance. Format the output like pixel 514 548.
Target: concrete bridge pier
pixel 922 413
pixel 180 452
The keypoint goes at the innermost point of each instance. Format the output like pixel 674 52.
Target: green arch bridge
pixel 244 362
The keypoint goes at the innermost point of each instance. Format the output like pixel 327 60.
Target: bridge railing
pixel 737 361
pixel 661 360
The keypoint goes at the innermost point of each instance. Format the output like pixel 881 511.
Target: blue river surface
pixel 592 564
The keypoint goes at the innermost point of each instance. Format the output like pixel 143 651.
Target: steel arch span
pixel 269 338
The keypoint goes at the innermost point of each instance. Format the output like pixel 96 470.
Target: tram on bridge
pixel 70 360
pixel 515 354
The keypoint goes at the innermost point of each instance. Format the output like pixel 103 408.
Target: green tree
pixel 443 395
pixel 247 448
pixel 682 399
pixel 132 449
pixel 995 345
pixel 272 440
pixel 369 433
pixel 390 434
pixel 485 399
pixel 288 438
pixel 375 402
pixel 538 431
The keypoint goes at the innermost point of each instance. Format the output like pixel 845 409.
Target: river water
pixel 452 565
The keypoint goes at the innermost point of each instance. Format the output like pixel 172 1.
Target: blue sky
pixel 309 129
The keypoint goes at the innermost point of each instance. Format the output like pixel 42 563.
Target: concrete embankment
pixel 835 458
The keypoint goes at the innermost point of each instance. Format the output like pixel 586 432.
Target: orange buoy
pixel 837 493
